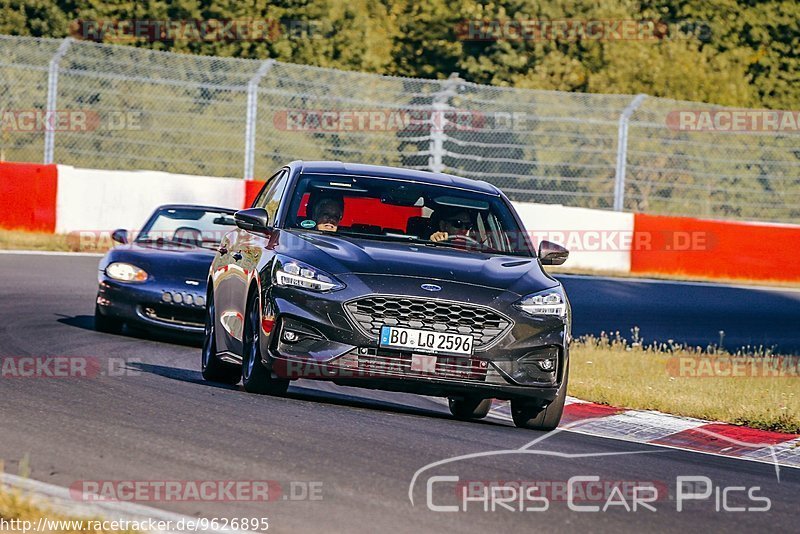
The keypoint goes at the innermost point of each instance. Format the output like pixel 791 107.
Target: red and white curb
pixel 660 429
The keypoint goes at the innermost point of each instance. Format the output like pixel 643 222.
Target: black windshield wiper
pixel 162 241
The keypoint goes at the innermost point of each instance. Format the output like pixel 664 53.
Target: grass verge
pixel 757 389
pixel 24 240
pixel 22 514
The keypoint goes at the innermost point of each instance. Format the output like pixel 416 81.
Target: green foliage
pixel 747 54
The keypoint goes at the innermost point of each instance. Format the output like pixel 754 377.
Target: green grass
pixel 24 240
pixel 688 381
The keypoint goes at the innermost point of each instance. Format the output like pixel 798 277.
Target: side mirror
pixel 552 254
pixel 253 219
pixel 120 235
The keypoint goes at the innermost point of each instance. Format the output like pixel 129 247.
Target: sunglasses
pixel 459 223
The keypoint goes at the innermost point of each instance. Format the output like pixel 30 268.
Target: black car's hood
pixel 367 256
pixel 165 262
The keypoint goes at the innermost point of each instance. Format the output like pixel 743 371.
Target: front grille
pixel 175 314
pixel 371 313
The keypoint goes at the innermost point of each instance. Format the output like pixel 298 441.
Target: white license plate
pixel 425 340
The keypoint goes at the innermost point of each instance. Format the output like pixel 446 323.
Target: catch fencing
pixel 122 107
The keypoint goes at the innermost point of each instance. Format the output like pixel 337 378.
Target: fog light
pixel 178 298
pixel 547 365
pixel 189 299
pixel 166 296
pixel 289 336
pixel 200 301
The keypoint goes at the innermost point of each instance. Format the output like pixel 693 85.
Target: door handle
pixel 237 255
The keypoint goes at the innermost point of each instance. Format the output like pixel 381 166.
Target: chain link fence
pixel 117 107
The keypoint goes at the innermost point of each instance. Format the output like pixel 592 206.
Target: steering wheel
pixel 468 240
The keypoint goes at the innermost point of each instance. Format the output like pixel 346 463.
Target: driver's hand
pixel 439 236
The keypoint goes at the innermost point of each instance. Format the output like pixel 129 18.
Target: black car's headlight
pixel 292 273
pixel 125 272
pixel 548 302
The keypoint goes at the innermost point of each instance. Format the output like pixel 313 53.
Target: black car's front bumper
pixel 145 304
pixel 328 344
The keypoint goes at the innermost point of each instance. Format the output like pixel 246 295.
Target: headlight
pixel 125 272
pixel 547 302
pixel 293 273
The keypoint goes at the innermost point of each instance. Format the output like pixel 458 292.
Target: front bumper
pixel 144 304
pixel 329 345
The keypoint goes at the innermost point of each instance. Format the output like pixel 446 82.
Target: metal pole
pixel 250 124
pixel 622 151
pixel 52 97
pixel 438 120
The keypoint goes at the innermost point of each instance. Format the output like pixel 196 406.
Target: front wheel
pixel 469 408
pixel 215 370
pixel 531 414
pixel 256 378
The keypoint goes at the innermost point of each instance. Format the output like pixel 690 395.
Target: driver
pixel 452 223
pixel 327 210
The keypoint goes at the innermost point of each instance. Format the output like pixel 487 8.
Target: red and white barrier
pixel 95 199
pixel 28 196
pixel 63 199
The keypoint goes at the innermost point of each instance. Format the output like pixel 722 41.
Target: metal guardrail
pixel 142 109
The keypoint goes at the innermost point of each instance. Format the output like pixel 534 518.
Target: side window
pixel 270 196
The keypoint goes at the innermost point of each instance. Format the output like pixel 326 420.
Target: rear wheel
pixel 469 408
pixel 256 378
pixel 104 323
pixel 531 414
pixel 215 370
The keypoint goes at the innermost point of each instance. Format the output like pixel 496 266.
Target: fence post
pixel 250 123
pixel 622 151
pixel 438 120
pixel 52 98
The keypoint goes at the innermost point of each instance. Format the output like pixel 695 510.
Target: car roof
pixel 195 207
pixel 381 171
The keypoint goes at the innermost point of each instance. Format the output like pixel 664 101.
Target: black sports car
pixel 392 279
pixel 159 279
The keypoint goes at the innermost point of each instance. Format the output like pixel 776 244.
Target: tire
pixel 213 369
pixel 104 323
pixel 531 414
pixel 469 408
pixel 256 378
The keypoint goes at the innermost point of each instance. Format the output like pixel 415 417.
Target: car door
pixel 242 253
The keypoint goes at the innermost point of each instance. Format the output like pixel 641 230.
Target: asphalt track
pixel 160 421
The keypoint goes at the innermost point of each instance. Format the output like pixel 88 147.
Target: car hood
pixel 165 262
pixel 338 255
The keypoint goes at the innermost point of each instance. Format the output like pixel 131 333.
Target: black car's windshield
pixel 190 227
pixel 388 209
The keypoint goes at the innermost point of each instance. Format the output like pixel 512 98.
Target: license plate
pixel 425 340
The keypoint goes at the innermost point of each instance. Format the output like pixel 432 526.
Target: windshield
pixel 387 209
pixel 187 227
